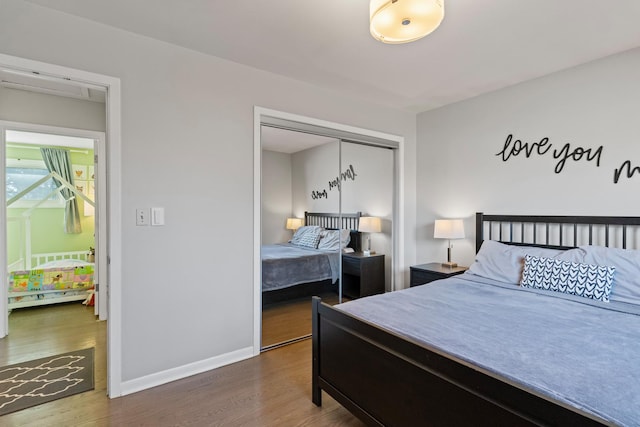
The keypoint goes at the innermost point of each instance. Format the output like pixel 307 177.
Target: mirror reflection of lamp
pixel 448 229
pixel 294 223
pixel 369 224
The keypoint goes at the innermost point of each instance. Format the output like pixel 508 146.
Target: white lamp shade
pixel 404 21
pixel 370 224
pixel 294 223
pixel 448 229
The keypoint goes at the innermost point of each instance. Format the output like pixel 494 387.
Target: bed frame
pixel 37 259
pixel 349 221
pixel 386 379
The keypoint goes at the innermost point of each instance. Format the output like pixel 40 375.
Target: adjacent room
pixel 488 151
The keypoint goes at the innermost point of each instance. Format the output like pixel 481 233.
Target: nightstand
pixel 425 273
pixel 362 275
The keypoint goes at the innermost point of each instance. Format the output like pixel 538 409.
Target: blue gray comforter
pixel 285 265
pixel 582 352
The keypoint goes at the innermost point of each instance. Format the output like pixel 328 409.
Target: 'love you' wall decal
pixel 515 147
pixel 348 174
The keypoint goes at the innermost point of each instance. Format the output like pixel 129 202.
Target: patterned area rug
pixel 39 381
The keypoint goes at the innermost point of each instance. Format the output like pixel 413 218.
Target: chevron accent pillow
pixel 307 236
pixel 585 280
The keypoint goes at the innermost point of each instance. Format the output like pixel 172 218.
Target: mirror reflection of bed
pixel 306 265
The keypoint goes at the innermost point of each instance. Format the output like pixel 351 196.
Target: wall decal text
pixel 348 174
pixel 319 194
pixel 513 148
pixel 630 171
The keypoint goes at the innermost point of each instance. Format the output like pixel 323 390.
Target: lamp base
pixel 368 253
pixel 449 264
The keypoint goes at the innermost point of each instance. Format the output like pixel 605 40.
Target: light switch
pixel 157 216
pixel 142 217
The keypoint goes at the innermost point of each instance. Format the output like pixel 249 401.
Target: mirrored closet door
pixel 327 226
pixel 300 253
pixel 367 181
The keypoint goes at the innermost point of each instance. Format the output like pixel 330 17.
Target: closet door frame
pixel 339 131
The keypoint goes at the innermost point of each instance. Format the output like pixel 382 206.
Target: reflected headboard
pixel 560 232
pixel 335 221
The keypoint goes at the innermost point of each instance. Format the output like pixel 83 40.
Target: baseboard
pixel 173 374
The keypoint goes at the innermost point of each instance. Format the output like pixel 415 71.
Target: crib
pixel 55 277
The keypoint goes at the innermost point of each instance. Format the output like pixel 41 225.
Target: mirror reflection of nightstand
pixel 426 273
pixel 362 275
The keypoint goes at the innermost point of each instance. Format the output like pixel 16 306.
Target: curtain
pixel 58 160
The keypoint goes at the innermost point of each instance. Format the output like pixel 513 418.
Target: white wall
pixel 315 171
pixel 276 196
pixel 32 107
pixel 592 105
pixel 177 101
pixel 311 171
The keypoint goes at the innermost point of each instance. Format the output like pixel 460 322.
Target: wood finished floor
pixel 273 389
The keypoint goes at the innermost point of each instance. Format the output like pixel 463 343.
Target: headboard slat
pixel 555 228
pixel 348 221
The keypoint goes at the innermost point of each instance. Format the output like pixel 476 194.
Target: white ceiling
pixel 482 45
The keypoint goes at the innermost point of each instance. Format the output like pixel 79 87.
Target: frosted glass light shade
pixel 448 229
pixel 294 223
pixel 404 21
pixel 370 224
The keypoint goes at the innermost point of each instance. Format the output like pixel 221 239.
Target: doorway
pixel 343 135
pixel 35 235
pixel 111 220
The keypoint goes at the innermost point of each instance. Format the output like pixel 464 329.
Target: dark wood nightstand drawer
pixel 419 277
pixel 362 275
pixel 350 266
pixel 427 273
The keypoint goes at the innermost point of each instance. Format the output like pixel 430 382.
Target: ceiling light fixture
pixel 404 21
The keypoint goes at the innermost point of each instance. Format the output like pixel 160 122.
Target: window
pixel 23 173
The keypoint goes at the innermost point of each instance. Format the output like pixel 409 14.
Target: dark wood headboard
pixel 335 221
pixel 560 232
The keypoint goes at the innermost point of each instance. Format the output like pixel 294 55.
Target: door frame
pixel 99 151
pixel 260 114
pixel 113 220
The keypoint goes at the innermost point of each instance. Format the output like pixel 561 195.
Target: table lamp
pixel 369 224
pixel 294 223
pixel 448 229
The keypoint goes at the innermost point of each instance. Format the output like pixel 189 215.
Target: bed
pixel 475 350
pixel 291 270
pixel 55 278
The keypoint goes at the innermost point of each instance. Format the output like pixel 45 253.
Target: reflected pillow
pixel 504 263
pixel 332 240
pixel 584 280
pixel 626 284
pixel 307 236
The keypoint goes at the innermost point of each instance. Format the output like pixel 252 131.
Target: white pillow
pixel 626 282
pixel 331 240
pixel 504 263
